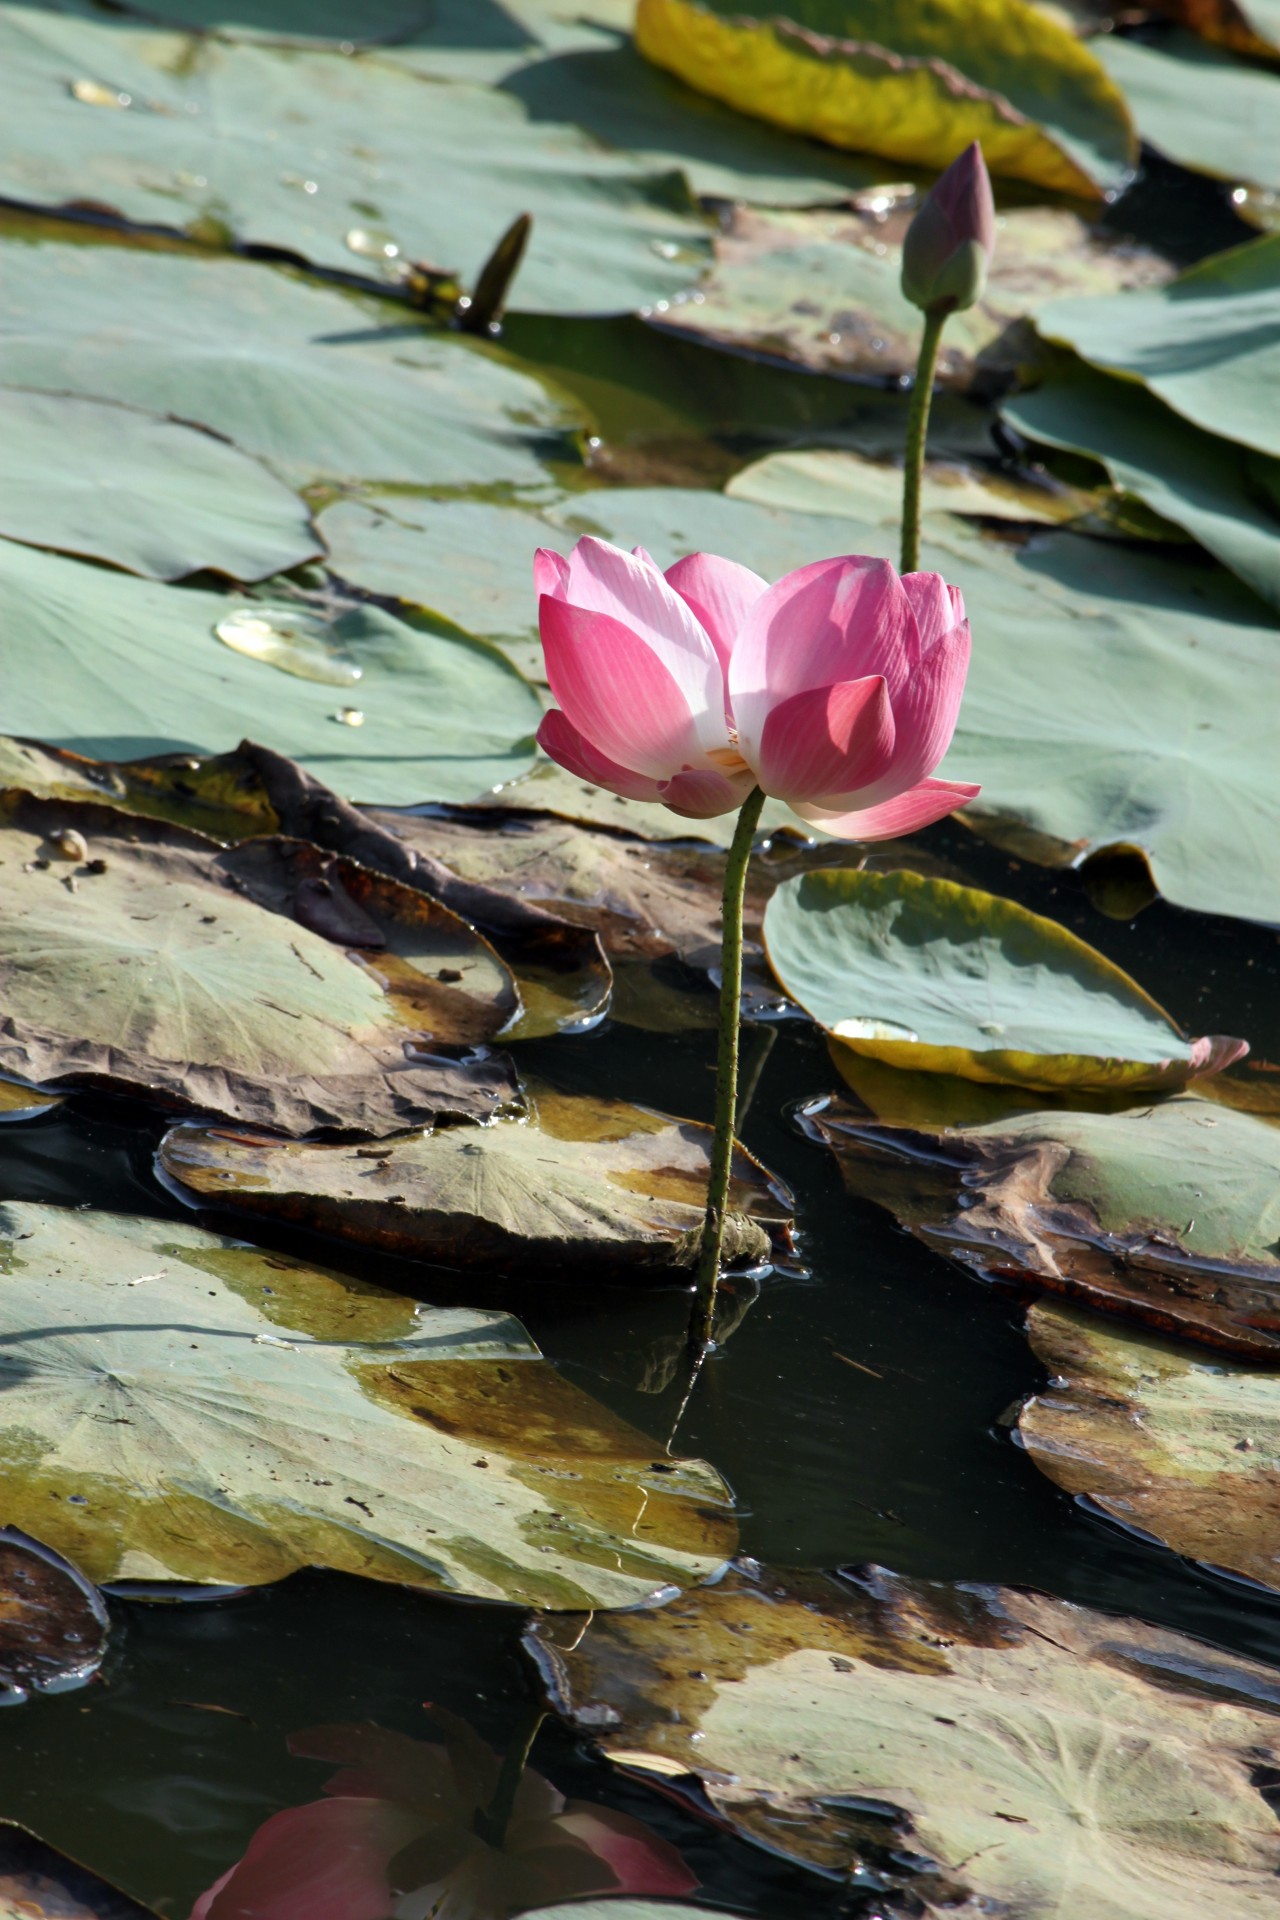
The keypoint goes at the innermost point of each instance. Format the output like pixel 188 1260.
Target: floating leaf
pixel 1251 27
pixel 624 1909
pixel 1046 1759
pixel 1166 1214
pixel 828 481
pixel 926 974
pixel 824 289
pixel 1208 344
pixel 290 150
pixel 273 983
pixel 53 1625
pixel 182 1407
pixel 319 384
pixel 1213 488
pixel 913 85
pixel 1178 1446
pixel 39 1883
pixel 585 1186
pixel 1200 107
pixel 144 493
pixel 121 668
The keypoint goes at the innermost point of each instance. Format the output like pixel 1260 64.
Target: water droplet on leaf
pixel 296 642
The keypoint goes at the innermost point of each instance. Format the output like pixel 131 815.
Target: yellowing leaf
pixel 916 85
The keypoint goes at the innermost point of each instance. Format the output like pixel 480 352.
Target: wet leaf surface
pixel 823 289
pixel 146 494
pixel 182 1407
pixel 53 1625
pixel 883 79
pixel 1164 1214
pixel 590 1187
pixel 1044 1758
pixel 271 983
pixel 1175 1445
pixel 39 1883
pixel 926 974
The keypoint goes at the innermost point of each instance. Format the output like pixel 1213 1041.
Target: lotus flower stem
pixel 917 434
pixel 491 1822
pixel 703 1315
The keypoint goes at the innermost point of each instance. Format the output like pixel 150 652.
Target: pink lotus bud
pixel 951 241
pixel 836 690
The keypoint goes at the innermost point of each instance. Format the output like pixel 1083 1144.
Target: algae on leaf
pixel 223 1415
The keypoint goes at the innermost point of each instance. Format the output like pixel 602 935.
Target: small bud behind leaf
pixel 951 241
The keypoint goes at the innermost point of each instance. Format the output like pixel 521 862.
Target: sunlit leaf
pixel 147 494
pixel 1208 344
pixel 1180 1446
pixel 1215 489
pixel 273 983
pixel 914 85
pixel 1201 107
pixel 924 973
pixel 830 481
pixel 1167 1214
pixel 182 1407
pixel 585 1185
pixel 1043 1758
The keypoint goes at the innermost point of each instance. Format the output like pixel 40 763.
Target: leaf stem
pixel 917 433
pixel 491 1822
pixel 703 1314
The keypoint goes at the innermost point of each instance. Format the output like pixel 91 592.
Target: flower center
pixel 728 759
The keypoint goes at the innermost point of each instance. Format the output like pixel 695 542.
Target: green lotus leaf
pixel 1042 1758
pixel 179 1406
pixel 926 974
pixel 1199 106
pixel 32 1871
pixel 828 480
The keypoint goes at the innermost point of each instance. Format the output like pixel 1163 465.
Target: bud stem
pixel 703 1315
pixel 917 433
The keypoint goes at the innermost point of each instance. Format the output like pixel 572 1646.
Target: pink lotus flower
pixel 836 689
pixel 395 1840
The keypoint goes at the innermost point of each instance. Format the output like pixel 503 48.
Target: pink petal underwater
pixel 830 740
pixel 721 594
pixel 639 1860
pixel 704 791
pixel 619 694
pixel 1213 1052
pixel 842 619
pixel 561 741
pixel 918 807
pixel 325 1861
pixel 603 579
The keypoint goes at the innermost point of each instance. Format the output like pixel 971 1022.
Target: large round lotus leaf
pixel 1043 1758
pixel 1181 1447
pixel 270 982
pixel 1208 344
pixel 319 384
pixel 299 150
pixel 119 668
pixel 145 493
pixel 183 1407
pixel 825 288
pixel 829 480
pixel 927 974
pixel 53 1624
pixel 588 1185
pixel 1202 108
pixel 1166 1214
pixel 915 85
pixel 1215 489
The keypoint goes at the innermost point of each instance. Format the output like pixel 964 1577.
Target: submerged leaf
pixel 926 974
pixel 584 1185
pixel 1166 1214
pixel 183 1407
pixel 1046 1759
pixel 272 983
pixel 1178 1446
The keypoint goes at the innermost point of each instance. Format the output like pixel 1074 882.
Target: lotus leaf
pixel 1043 1758
pixel 182 1407
pixel 53 1624
pixel 621 1909
pixel 320 384
pixel 927 974
pixel 1215 489
pixel 585 1185
pixel 272 983
pixel 1251 26
pixel 1202 108
pixel 1167 1214
pixel 39 1883
pixel 828 481
pixel 291 149
pixel 915 86
pixel 1207 344
pixel 1180 1446
pixel 147 494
